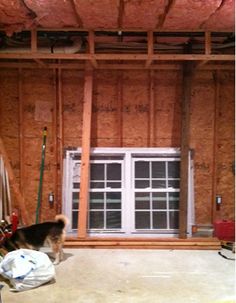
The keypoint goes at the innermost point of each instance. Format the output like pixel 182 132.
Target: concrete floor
pixel 136 276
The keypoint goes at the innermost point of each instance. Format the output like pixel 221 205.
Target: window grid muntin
pixel 151 190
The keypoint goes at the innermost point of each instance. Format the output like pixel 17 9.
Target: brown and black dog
pixel 35 236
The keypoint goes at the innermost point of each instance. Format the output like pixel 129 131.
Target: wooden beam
pixel 207 43
pixel 54 138
pixel 85 157
pixel 34 39
pixel 215 145
pixel 162 18
pixel 60 135
pixel 112 57
pixel 185 120
pixel 121 14
pixel 19 198
pixel 21 130
pixel 92 49
pixel 150 49
pixel 151 134
pixel 120 106
pixel 41 63
pixel 115 66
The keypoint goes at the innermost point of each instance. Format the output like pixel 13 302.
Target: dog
pixel 37 235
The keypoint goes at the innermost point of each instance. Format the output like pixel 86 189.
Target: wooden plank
pixel 111 57
pixel 185 120
pixel 54 138
pixel 150 49
pixel 120 106
pixel 123 66
pixel 151 135
pixel 34 39
pixel 215 144
pixel 21 131
pixel 207 43
pixel 60 134
pixel 19 198
pixel 92 49
pixel 85 157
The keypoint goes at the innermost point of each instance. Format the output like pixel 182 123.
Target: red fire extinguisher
pixel 14 221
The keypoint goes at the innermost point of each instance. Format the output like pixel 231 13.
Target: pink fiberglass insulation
pixel 223 18
pixel 142 14
pixel 98 14
pixel 14 15
pixel 190 14
pixel 53 13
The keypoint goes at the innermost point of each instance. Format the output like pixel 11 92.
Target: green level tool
pixel 41 175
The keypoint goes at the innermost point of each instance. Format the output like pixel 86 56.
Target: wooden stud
pixel 19 198
pixel 34 41
pixel 151 136
pixel 21 131
pixel 92 49
pixel 207 43
pixel 215 145
pixel 150 49
pixel 54 138
pixel 120 106
pixel 85 157
pixel 60 134
pixel 185 118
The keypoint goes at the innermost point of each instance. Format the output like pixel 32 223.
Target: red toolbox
pixel 224 230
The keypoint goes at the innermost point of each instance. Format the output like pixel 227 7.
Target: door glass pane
pixel 97 184
pixel 174 219
pixel 142 201
pixel 96 219
pixel 173 183
pixel 75 200
pixel 142 184
pixel 97 171
pixel 75 219
pixel 158 184
pixel 141 169
pixel 114 171
pixel 160 220
pixel 96 200
pixel 114 184
pixel 142 220
pixel 159 201
pixel 113 219
pixel 113 200
pixel 158 169
pixel 173 169
pixel 174 200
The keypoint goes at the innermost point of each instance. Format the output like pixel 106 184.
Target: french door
pixel 129 194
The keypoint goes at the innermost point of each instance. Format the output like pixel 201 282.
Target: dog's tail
pixel 61 220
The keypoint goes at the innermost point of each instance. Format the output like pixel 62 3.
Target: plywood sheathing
pixel 130 120
pixel 202 140
pixel 9 117
pixel 225 170
pixel 72 107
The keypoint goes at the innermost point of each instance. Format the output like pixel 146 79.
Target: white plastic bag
pixel 26 269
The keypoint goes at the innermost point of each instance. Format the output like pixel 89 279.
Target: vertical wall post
pixel 85 157
pixel 185 118
pixel 215 144
pixel 151 128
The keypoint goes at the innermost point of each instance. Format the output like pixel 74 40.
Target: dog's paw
pixel 56 262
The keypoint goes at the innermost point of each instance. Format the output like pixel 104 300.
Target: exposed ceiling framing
pixel 141 33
